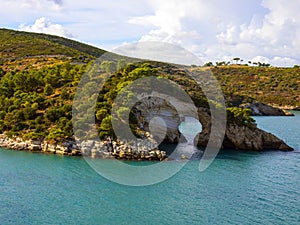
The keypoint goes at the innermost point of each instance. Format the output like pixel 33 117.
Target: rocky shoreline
pixel 261 109
pixel 240 137
pixel 93 149
pixel 293 108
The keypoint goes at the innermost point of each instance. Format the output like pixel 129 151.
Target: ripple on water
pixel 238 188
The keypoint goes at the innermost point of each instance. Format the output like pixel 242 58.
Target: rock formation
pixel 260 109
pixel 90 148
pixel 240 137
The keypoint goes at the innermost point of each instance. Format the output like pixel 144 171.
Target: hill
pixel 274 86
pixel 18 47
pixel 40 76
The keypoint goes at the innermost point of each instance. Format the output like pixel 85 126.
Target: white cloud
pixel 276 36
pixel 214 30
pixel 229 36
pixel 283 61
pixel 260 58
pixel 38 4
pixel 158 51
pixel 44 25
pixel 166 22
pixel 57 2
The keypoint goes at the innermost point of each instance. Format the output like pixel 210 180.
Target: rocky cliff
pixel 241 137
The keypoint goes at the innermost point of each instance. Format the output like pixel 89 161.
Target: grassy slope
pixel 277 86
pixel 17 45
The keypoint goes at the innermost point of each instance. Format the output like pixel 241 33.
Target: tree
pixel 2 72
pixel 106 128
pixel 29 113
pixel 48 90
pixel 240 116
pixel 64 94
pixel 237 59
pixel 101 114
pixel 221 63
pixel 56 134
pixel 208 64
pixel 35 106
pixel 53 114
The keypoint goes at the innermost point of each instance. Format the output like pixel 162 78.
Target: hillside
pixel 17 47
pixel 275 86
pixel 40 75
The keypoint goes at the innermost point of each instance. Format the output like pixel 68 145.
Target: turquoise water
pixel 238 188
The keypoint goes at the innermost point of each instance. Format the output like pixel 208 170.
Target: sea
pixel 237 188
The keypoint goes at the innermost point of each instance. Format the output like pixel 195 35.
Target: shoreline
pixel 289 108
pixel 90 148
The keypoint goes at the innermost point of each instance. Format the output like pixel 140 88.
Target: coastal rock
pixel 166 128
pixel 241 137
pixel 137 151
pixel 252 138
pixel 260 109
pixel 16 143
pixel 236 136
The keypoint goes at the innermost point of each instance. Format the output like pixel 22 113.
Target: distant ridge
pixel 19 44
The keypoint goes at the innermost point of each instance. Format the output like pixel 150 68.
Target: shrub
pixel 240 116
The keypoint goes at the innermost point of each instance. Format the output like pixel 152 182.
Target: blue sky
pixel 214 30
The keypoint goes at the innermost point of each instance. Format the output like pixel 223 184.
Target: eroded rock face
pixel 252 138
pixel 171 115
pixel 260 109
pixel 241 137
pixel 236 136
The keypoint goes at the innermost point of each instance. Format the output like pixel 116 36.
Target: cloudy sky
pixel 214 30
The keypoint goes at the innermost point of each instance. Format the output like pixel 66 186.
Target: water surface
pixel 238 188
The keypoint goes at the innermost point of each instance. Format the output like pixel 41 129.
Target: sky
pixel 214 30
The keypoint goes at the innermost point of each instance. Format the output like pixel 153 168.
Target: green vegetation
pixel 240 116
pixel 125 76
pixel 279 86
pixel 40 73
pixel 38 103
pixel 16 45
